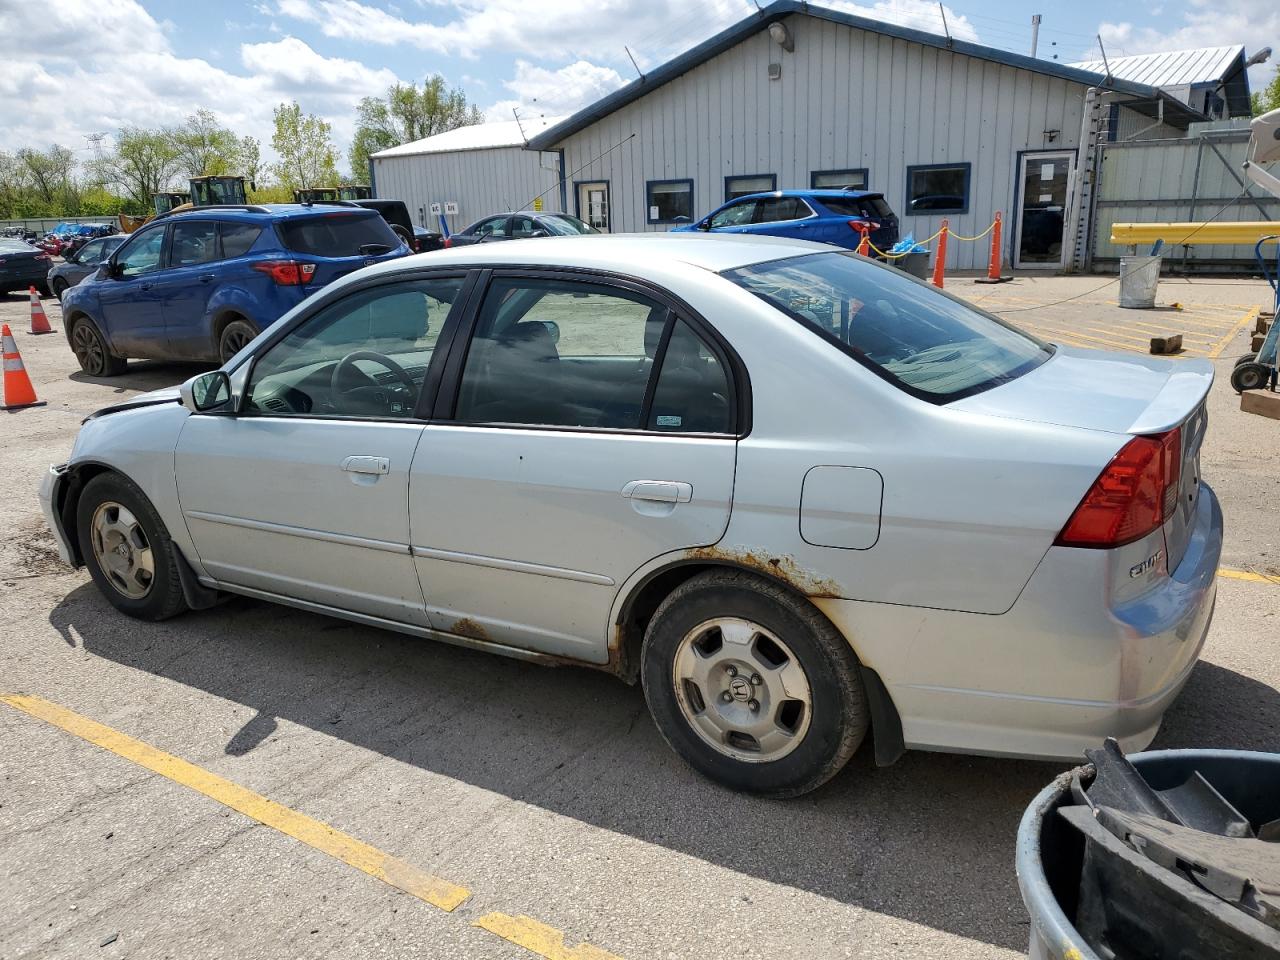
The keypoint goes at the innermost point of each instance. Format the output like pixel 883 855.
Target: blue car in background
pixel 825 216
pixel 200 284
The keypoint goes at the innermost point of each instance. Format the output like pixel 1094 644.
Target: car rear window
pixel 338 235
pixel 926 342
pixel 869 208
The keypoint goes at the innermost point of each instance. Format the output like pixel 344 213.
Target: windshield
pixel 564 225
pixel 929 344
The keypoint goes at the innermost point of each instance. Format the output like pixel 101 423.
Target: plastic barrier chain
pixel 944 232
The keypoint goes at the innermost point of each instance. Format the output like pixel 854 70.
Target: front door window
pixel 1043 187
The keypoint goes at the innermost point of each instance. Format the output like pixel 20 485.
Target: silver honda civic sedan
pixel 800 496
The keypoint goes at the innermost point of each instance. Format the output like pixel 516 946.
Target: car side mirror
pixel 705 225
pixel 553 329
pixel 206 392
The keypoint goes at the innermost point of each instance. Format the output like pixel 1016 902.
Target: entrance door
pixel 593 203
pixel 1044 184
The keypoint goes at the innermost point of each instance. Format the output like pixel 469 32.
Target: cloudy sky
pixel 70 68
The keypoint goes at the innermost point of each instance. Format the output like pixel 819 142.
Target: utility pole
pixel 1035 32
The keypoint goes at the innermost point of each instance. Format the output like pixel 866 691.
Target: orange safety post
pixel 864 245
pixel 997 253
pixel 940 257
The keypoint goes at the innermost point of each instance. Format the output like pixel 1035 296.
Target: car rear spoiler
pixel 1182 393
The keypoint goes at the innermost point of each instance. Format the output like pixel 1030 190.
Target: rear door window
pixel 338 235
pixel 194 242
pixel 495 227
pixel 237 238
pixel 775 209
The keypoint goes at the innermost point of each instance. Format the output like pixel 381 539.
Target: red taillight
pixel 43 256
pixel 417 245
pixel 287 273
pixel 1134 495
pixel 859 225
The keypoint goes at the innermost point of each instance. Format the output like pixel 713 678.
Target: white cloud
pixel 97 65
pixel 1205 23
pixel 542 92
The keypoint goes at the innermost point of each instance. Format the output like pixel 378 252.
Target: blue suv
pixel 200 284
pixel 826 216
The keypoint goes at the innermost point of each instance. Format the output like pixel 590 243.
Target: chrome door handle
pixel 206 277
pixel 377 466
pixel 660 491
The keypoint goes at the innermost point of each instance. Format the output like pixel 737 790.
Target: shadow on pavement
pixel 146 375
pixel 930 839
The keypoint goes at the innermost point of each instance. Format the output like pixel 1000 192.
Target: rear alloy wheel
pixel 753 686
pixel 235 337
pixel 127 549
pixel 1250 376
pixel 91 351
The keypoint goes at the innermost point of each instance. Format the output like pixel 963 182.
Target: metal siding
pixel 847 98
pixel 481 181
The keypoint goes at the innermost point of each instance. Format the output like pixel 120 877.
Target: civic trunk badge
pixel 1138 569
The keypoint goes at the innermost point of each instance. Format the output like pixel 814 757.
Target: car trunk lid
pixel 1118 393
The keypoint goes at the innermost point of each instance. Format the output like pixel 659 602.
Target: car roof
pixel 819 194
pixel 257 212
pixel 619 252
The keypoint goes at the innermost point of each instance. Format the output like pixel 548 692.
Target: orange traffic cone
pixel 39 321
pixel 18 391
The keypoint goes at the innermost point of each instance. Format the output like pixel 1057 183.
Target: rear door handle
pixel 376 466
pixel 206 277
pixel 660 491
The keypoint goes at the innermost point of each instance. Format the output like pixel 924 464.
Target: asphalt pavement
pixel 545 794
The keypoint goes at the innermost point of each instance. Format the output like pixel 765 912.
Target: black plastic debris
pixel 1174 856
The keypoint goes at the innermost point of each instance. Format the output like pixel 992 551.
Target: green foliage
pixel 1268 98
pixel 144 162
pixel 305 145
pixel 205 147
pixel 407 113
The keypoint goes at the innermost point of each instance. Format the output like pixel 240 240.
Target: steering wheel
pixel 374 396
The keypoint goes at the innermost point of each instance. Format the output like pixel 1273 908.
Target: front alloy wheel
pixel 122 550
pixel 91 352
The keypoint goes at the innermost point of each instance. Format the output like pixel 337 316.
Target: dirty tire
pixel 839 717
pixel 58 288
pixel 91 351
pixel 164 598
pixel 234 336
pixel 1250 376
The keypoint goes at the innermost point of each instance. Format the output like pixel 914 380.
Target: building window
pixel 669 201
pixel 938 188
pixel 735 187
pixel 855 179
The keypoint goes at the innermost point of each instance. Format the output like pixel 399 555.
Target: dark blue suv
pixel 200 284
pixel 827 216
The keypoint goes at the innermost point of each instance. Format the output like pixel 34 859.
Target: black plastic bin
pixel 1129 906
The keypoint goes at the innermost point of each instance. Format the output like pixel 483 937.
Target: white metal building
pixel 480 169
pixel 798 96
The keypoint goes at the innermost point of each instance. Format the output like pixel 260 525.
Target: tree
pixel 305 146
pixel 406 113
pixel 205 147
pixel 144 162
pixel 49 173
pixel 1268 98
pixel 250 159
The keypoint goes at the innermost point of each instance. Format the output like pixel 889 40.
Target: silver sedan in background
pixel 800 496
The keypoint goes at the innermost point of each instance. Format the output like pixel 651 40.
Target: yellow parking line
pixel 399 874
pixel 1113 344
pixel 1249 575
pixel 1249 317
pixel 538 938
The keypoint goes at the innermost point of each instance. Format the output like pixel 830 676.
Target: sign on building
pixel 451 207
pixel 435 209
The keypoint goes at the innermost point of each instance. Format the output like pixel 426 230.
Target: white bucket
pixel 1139 277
